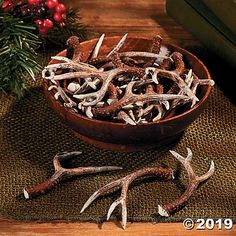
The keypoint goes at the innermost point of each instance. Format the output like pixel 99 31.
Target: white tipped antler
pixel 124 184
pixel 194 181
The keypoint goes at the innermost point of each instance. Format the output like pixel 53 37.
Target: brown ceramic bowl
pixel 123 137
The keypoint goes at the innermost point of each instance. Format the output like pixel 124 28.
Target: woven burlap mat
pixel 31 134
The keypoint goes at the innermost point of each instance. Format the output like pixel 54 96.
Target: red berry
pixel 43 30
pixel 62 24
pixel 34 2
pixel 51 3
pixel 6 4
pixel 47 24
pixel 57 16
pixel 38 22
pixel 60 8
pixel 9 8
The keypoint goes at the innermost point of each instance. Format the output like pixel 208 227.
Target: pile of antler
pixel 123 183
pixel 133 87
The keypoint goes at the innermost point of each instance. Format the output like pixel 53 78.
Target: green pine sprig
pixel 57 36
pixel 18 57
pixel 20 40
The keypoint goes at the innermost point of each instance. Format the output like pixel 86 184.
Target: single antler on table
pixel 60 172
pixel 194 181
pixel 124 183
pixel 167 174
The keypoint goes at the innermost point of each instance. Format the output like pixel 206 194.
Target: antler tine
pixel 63 156
pixel 97 47
pixel 208 174
pixel 47 185
pixel 99 192
pixel 190 154
pixel 181 158
pixel 123 116
pixel 196 82
pixel 120 201
pixel 118 46
pixel 185 162
pixel 68 102
pixel 113 206
pixel 194 181
pixel 60 58
pixel 124 214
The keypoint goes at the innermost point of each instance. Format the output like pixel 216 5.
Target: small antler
pixel 74 43
pixel 30 192
pixel 194 181
pixel 124 183
pixel 131 98
pixel 156 46
pixel 68 102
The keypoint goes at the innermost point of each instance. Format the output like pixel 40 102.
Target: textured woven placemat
pixel 31 134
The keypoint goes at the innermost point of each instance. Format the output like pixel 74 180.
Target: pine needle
pixel 18 57
pixel 73 26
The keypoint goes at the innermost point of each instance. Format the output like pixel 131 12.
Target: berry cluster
pixel 44 13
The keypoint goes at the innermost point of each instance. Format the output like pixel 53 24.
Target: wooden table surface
pixel 116 17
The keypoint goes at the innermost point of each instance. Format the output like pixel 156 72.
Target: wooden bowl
pixel 123 137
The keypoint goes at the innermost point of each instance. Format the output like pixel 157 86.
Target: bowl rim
pixel 185 52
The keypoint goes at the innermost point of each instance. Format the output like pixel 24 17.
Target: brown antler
pixel 124 183
pixel 194 181
pixel 66 99
pixel 30 192
pixel 131 98
pixel 74 43
pixel 156 46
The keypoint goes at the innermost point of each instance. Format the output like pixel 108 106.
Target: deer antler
pixel 74 43
pixel 131 98
pixel 194 181
pixel 156 46
pixel 124 183
pixel 30 192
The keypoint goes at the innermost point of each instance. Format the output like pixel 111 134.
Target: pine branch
pixel 19 40
pixel 17 54
pixel 73 26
